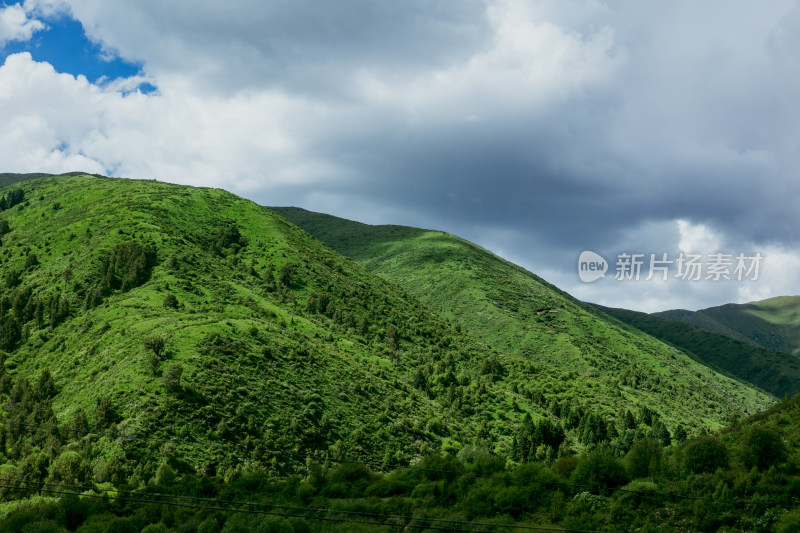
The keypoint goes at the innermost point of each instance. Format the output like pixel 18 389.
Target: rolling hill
pixel 591 359
pixel 773 324
pixel 168 312
pixel 191 312
pixel 8 178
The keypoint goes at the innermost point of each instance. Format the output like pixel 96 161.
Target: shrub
pixel 172 377
pixel 762 448
pixel 209 525
pixel 171 301
pixel 31 261
pixel 644 458
pixel 68 467
pixel 157 343
pixel 601 469
pixel 286 275
pixel 705 454
pixel 104 414
pixel 565 466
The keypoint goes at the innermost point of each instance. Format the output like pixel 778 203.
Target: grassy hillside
pixel 589 358
pixel 173 357
pixel 172 312
pixel 773 324
pixel 775 372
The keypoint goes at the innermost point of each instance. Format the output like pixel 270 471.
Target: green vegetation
pixel 178 312
pixel 711 483
pixel 168 353
pixel 776 373
pixel 586 360
pixel 772 324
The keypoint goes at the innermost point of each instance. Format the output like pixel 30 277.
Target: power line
pixel 369 462
pixel 186 505
pixel 598 488
pixel 40 486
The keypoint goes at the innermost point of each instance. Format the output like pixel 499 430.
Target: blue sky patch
pixel 65 46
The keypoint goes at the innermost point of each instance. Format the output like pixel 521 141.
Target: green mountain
pixel 181 359
pixel 773 324
pixel 174 312
pixel 588 358
pixel 775 372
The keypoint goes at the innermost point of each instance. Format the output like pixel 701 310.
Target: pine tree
pixel 661 433
pixel 628 420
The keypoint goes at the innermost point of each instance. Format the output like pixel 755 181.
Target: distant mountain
pixel 775 372
pixel 773 324
pixel 7 178
pixel 589 359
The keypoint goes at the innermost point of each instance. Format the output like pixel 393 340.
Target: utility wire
pixel 221 505
pixel 598 488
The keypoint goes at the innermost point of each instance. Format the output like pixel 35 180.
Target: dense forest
pixel 744 479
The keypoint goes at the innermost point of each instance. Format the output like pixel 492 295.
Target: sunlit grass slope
pixel 588 358
pixel 283 343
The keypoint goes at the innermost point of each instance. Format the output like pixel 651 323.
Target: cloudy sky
pixel 538 129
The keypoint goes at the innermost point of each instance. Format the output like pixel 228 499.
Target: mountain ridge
pixel 773 324
pixel 776 372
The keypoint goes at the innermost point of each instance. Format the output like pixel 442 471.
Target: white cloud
pixel 697 238
pixel 264 135
pixel 779 275
pixel 529 64
pixel 16 26
pixel 62 123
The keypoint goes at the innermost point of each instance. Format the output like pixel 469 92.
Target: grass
pixel 582 355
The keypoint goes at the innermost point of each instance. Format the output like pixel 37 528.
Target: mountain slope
pixel 158 312
pixel 592 360
pixel 775 372
pixel 154 335
pixel 773 324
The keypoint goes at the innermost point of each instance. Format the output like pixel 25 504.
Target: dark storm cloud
pixel 561 173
